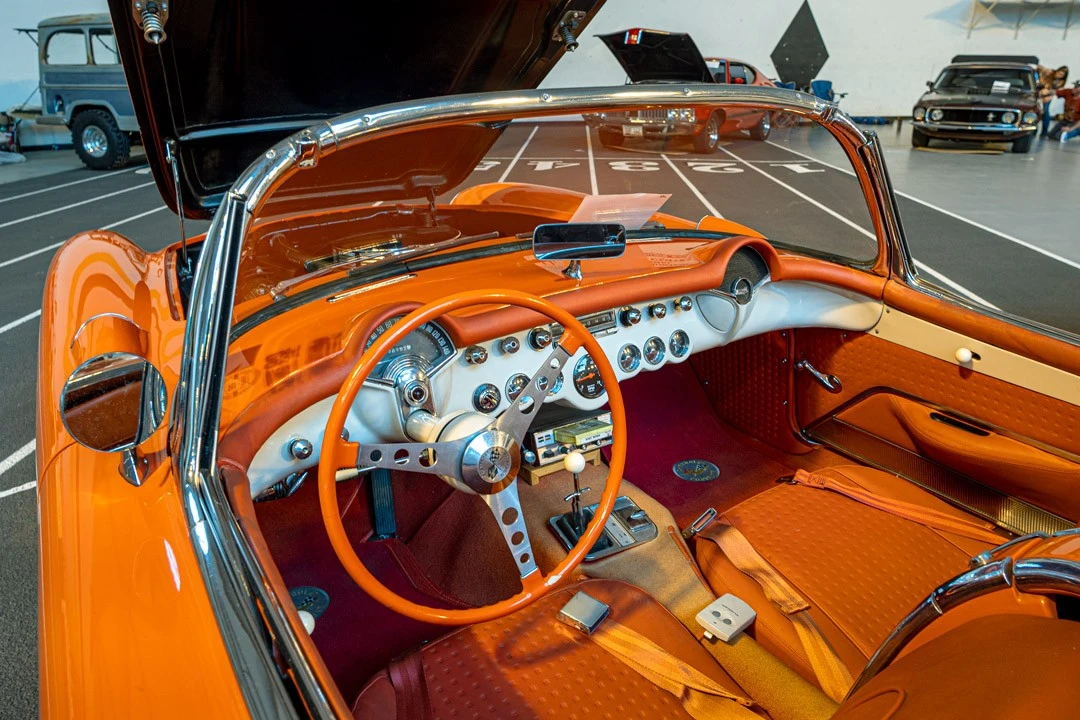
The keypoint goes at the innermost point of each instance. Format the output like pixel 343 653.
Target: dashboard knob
pixel 684 303
pixel 509 345
pixel 476 355
pixel 540 338
pixel 300 449
pixel 629 316
pixel 658 310
pixel 486 398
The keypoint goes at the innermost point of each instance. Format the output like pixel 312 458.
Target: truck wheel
pixel 1023 145
pixel 98 141
pixel 760 131
pixel 919 139
pixel 705 142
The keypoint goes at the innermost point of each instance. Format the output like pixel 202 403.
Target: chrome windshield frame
pixel 249 613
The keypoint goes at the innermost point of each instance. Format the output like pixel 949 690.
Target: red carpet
pixel 669 419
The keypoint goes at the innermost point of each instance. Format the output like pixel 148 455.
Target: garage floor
pixel 999 229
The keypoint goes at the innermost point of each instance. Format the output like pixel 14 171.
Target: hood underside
pixel 232 78
pixel 657 56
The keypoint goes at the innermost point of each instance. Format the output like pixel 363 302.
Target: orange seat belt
pixel 702 697
pixel 831 673
pixel 933 519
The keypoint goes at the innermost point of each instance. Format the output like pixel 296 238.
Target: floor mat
pixel 669 419
pixel 356 636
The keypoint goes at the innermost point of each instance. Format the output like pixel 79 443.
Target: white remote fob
pixel 726 617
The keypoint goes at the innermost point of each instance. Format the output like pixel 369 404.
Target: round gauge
pixel 542 384
pixel 679 343
pixel 654 350
pixel 587 378
pixel 486 398
pixel 429 343
pixel 558 384
pixel 515 385
pixel 629 358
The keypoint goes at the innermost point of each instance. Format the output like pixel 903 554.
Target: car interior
pixel 817 441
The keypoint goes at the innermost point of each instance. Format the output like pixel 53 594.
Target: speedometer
pixel 429 344
pixel 587 378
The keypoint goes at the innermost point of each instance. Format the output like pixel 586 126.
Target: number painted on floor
pixel 634 165
pixel 798 168
pixel 542 165
pixel 714 167
pixel 487 165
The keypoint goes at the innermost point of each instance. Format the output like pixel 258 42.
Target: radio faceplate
pixel 559 431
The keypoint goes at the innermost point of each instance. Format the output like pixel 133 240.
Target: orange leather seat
pixel 529 664
pixel 860 569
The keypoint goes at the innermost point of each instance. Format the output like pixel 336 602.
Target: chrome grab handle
pixel 1038 576
pixel 829 382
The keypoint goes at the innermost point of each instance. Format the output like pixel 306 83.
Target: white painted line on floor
pixel 16 323
pixel 1023 243
pixel 47 248
pixel 592 161
pixel 697 193
pixel 954 285
pixel 68 184
pixel 11 461
pixel 9 223
pixel 929 271
pixel 517 157
pixel 143 171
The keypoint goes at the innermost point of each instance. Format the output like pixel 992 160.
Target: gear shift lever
pixel 574 463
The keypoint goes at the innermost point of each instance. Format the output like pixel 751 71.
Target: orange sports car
pixel 452 414
pixel 655 56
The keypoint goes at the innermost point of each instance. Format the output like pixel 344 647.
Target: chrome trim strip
pixel 1038 576
pixel 237 587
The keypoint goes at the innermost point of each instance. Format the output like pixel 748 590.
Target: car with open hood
pixel 981 98
pixel 454 412
pixel 655 56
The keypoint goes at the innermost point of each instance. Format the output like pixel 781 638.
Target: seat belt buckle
pixel 583 612
pixel 725 617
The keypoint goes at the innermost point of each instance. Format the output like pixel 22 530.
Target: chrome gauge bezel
pixel 516 385
pixel 656 343
pixel 684 343
pixel 629 358
pixel 448 351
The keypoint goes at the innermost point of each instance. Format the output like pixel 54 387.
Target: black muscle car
pixel 984 98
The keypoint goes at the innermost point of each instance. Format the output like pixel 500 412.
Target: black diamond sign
pixel 801 53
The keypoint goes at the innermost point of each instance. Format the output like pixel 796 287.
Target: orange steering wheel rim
pixel 337 454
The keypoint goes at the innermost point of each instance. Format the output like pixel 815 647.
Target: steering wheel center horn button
pixel 725 618
pixel 490 462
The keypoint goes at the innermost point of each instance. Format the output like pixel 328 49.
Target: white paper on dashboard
pixel 1001 86
pixel 631 210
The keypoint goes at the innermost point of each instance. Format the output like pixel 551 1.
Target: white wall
pixel 18 55
pixel 881 52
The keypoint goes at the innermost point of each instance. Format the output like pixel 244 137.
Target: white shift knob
pixel 308 619
pixel 574 462
pixel 964 356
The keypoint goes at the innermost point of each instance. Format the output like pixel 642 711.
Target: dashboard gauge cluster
pixel 428 346
pixel 587 380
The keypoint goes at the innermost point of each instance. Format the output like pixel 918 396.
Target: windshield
pixel 458 194
pixel 986 79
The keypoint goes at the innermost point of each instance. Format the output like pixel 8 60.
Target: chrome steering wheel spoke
pixel 505 505
pixel 516 419
pixel 436 458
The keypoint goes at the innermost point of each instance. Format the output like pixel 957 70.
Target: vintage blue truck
pixel 83 87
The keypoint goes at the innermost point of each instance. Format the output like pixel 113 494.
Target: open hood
pixel 233 77
pixel 650 56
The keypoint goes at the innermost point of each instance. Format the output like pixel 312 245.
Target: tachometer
pixel 629 358
pixel 654 351
pixel 429 344
pixel 587 378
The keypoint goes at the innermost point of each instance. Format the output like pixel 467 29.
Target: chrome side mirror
pixel 114 402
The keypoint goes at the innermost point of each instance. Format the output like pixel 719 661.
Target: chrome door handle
pixel 829 382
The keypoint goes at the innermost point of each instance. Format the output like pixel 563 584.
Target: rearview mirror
pixel 114 402
pixel 578 241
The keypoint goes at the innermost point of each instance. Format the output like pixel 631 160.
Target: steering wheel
pixel 472 452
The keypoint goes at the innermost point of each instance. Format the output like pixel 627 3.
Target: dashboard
pixel 485 377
